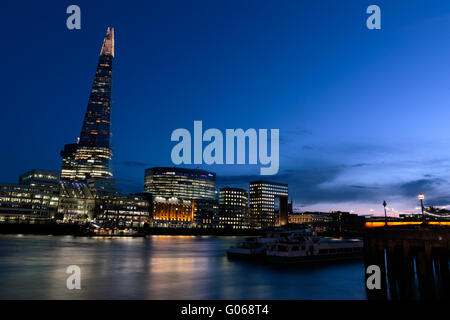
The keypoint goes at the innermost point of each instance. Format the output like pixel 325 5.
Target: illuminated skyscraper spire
pixel 96 125
pixel 90 157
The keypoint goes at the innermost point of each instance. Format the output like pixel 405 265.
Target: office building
pixel 233 208
pixel 122 211
pixel 34 200
pixel 266 199
pixel 102 187
pixel 206 213
pixel 22 203
pixel 186 185
pixel 44 179
pixel 180 183
pixel 172 212
pixel 91 155
pixel 76 203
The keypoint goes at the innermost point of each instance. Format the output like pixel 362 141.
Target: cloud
pixel 358 165
pixel 364 187
pixel 293 135
pixel 414 187
pixel 310 183
pixel 319 182
pixel 134 164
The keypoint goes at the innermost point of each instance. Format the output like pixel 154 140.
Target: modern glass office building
pixel 118 211
pixel 91 155
pixel 76 202
pixel 263 195
pixel 35 199
pixel 233 208
pixel 180 183
pixel 44 179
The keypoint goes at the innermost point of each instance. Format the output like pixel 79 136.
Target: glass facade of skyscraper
pixel 181 183
pixel 76 203
pixel 90 156
pixel 168 184
pixel 262 202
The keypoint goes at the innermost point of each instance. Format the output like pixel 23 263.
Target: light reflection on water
pixel 160 267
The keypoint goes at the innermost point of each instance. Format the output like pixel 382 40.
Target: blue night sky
pixel 363 114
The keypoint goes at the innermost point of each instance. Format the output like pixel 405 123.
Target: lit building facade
pixel 233 208
pixel 123 211
pixel 35 199
pixel 44 179
pixel 206 213
pixel 20 203
pixel 299 218
pixel 91 155
pixel 263 195
pixel 172 212
pixel 180 183
pixel 102 187
pixel 186 185
pixel 76 203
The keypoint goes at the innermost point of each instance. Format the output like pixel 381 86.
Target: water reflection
pixel 160 267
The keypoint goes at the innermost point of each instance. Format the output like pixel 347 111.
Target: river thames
pixel 160 267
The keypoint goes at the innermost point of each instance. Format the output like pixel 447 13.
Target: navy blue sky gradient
pixel 363 115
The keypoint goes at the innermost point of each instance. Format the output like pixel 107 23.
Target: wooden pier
pixel 414 262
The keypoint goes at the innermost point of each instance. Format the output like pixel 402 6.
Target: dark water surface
pixel 160 267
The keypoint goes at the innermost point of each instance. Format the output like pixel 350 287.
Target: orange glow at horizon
pixel 376 224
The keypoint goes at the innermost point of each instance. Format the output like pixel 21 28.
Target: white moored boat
pixel 313 249
pixel 255 247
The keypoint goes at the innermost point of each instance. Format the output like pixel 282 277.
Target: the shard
pixel 90 157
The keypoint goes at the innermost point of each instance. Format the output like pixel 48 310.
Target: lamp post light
pixel 385 215
pixel 421 198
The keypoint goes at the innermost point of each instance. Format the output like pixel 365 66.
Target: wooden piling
pixel 396 249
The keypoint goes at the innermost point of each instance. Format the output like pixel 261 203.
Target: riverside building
pixel 34 200
pixel 182 184
pixel 88 189
pixel 233 208
pixel 123 211
pixel 263 198
pixel 172 212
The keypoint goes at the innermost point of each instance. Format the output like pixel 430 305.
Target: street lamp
pixel 385 215
pixel 421 198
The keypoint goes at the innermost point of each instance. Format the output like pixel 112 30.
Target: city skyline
pixel 349 137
